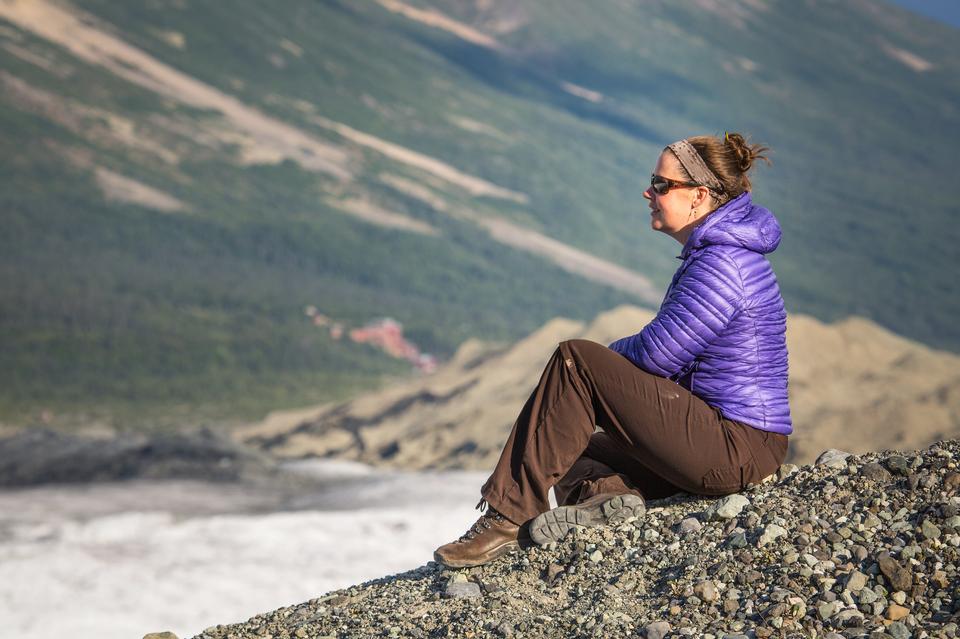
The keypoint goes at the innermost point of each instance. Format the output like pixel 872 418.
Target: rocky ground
pixel 851 546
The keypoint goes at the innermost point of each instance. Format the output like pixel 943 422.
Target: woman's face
pixel 670 213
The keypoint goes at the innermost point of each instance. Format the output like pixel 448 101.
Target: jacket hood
pixel 739 222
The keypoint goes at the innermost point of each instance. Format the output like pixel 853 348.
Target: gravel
pixel 857 546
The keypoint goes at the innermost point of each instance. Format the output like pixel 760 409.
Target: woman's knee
pixel 583 349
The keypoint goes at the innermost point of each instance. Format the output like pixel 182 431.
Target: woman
pixel 695 402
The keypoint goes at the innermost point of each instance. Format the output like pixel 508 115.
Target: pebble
pixel 898 576
pixel 706 591
pixel 856 581
pixel 690 525
pixel 461 590
pixel 895 612
pixel 657 629
pixel 929 530
pixel 727 507
pixel 874 472
pixel 827 610
pixel 844 616
pixel 771 532
pixel 951 482
pixel 785 471
pixel 737 540
pixel 898 465
pixel 553 572
pixel 833 458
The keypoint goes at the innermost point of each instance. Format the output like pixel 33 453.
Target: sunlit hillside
pixel 183 181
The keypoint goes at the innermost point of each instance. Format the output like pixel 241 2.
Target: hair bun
pixel 746 153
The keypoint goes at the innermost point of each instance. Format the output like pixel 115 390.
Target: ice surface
pixel 126 558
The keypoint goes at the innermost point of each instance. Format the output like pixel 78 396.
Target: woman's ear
pixel 701 197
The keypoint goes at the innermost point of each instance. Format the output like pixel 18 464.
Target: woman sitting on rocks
pixel 695 402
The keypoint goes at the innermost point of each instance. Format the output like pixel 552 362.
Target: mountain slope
pixel 853 385
pixel 189 176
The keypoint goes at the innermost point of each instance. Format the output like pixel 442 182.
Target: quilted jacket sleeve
pixel 701 304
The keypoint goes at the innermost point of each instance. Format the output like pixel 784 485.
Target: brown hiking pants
pixel 657 438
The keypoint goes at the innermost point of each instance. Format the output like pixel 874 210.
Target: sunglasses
pixel 662 185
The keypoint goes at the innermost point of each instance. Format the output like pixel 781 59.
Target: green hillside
pixel 191 307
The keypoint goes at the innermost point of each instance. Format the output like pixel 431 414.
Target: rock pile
pixel 854 546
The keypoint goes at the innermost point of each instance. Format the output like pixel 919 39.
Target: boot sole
pixel 554 525
pixel 496 553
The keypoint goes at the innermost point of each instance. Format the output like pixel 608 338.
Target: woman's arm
pixel 700 306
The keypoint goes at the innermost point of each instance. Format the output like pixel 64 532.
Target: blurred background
pixel 278 277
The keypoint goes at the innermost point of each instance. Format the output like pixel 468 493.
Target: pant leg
pixel 668 430
pixel 606 466
pixel 588 477
pixel 553 428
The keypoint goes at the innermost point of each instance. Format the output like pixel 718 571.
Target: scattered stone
pixel 771 532
pixel 895 612
pixel 833 458
pixel 856 581
pixel 897 576
pixel 898 465
pixel 939 579
pixel 951 482
pixel 785 471
pixel 913 480
pixel 827 610
pixel 874 472
pixel 737 540
pixel 706 591
pixel 844 616
pixel 690 525
pixel 727 507
pixel 898 630
pixel 929 530
pixel 553 572
pixel 657 629
pixel 461 590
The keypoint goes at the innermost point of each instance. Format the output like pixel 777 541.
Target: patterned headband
pixel 695 166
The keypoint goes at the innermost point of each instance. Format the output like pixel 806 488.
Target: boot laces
pixel 485 521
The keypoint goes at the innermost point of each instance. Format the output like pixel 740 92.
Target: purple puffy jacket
pixel 721 328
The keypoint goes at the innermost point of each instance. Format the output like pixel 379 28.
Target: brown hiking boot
pixel 604 508
pixel 491 536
